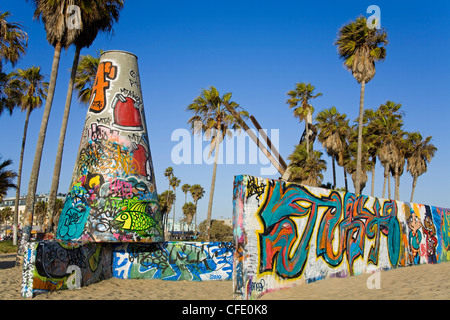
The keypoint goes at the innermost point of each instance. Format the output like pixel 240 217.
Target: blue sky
pixel 258 50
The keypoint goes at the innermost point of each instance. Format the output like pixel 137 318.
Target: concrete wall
pixel 51 265
pixel 288 234
pixel 192 261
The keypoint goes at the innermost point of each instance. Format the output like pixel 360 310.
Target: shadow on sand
pixel 7 261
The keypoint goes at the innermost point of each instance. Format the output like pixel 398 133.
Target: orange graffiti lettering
pixel 106 70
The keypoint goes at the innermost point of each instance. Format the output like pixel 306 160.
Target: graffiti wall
pixel 113 196
pixel 192 261
pixel 50 266
pixel 287 234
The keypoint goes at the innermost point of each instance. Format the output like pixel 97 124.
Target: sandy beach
pixel 410 283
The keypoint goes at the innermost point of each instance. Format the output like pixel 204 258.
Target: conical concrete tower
pixel 113 197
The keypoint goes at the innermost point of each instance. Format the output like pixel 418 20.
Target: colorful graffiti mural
pixel 50 266
pixel 113 196
pixel 192 261
pixel 286 234
pixel 55 265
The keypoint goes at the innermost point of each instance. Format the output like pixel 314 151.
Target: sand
pixel 409 283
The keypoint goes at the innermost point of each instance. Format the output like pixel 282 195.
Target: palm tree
pixel 13 44
pixel 331 125
pixel 372 141
pixel 216 116
pixel 350 161
pixel 166 200
pixel 189 210
pixel 185 188
pixel 388 128
pixel 13 40
pixel 168 173
pixel 96 16
pixel 6 177
pixel 306 169
pixel 85 77
pixel 299 99
pixel 33 90
pixel 360 47
pixel 399 164
pixel 174 183
pixel 419 155
pixel 197 192
pixel 10 92
pixel 54 14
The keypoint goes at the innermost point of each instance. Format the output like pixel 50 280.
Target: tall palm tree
pixel 6 177
pixel 33 90
pixel 211 111
pixel 372 140
pixel 174 183
pixel 13 44
pixel 185 188
pixel 54 15
pixel 13 40
pixel 331 125
pixel 299 99
pixel 345 131
pixel 96 16
pixel 419 155
pixel 351 158
pixel 388 125
pixel 168 173
pixel 306 169
pixel 360 47
pixel 166 200
pixel 197 192
pixel 189 210
pixel 10 92
pixel 399 165
pixel 85 77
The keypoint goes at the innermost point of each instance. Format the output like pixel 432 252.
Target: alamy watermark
pixel 73 17
pixel 374 280
pixel 236 148
pixel 374 21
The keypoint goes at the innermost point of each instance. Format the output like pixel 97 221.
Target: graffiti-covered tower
pixel 112 196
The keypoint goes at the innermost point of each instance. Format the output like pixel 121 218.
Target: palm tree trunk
pixel 31 196
pixel 59 153
pixel 334 170
pixel 19 178
pixel 373 178
pixel 307 137
pixel 213 183
pixel 389 185
pixel 173 222
pixel 386 173
pixel 413 188
pixel 360 127
pixel 345 180
pixel 195 218
pixel 397 187
pixel 397 183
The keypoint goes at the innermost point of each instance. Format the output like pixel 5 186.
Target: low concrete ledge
pixel 55 265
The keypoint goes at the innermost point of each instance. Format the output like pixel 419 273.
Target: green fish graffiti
pixel 134 217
